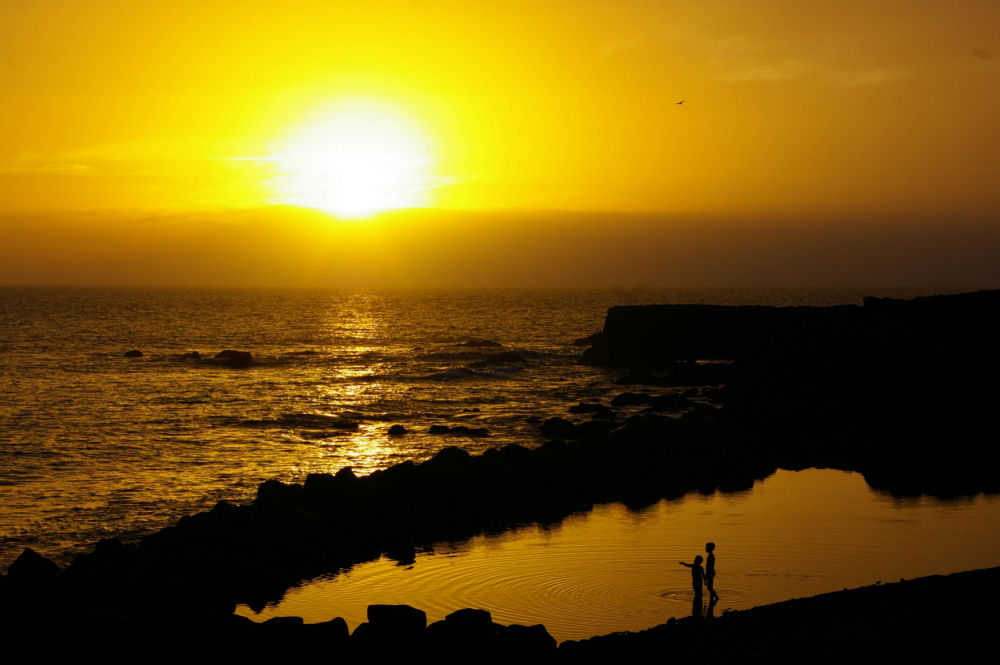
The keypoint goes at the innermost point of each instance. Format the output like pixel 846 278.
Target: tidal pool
pixel 795 534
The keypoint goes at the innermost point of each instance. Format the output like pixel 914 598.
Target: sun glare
pixel 353 161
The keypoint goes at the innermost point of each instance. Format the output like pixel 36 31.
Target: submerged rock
pixel 459 430
pixel 502 358
pixel 233 358
pixel 482 344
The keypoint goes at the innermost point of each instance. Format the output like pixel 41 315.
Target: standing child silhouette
pixel 710 571
pixel 697 575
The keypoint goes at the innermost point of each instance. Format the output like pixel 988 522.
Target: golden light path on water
pixel 795 534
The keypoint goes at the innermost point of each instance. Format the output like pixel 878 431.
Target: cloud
pixel 39 167
pixel 870 76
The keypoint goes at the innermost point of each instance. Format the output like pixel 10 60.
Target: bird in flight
pixel 680 102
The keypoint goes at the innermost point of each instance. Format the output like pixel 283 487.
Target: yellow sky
pixel 792 110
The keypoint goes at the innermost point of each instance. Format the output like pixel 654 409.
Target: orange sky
pixel 794 113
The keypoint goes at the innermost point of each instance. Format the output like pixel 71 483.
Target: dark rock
pixel 274 491
pixel 528 641
pixel 668 403
pixel 630 399
pixel 470 620
pixel 232 358
pixel 502 358
pixel 604 413
pixel 475 432
pixel 318 485
pixel 558 428
pixel 396 618
pixel 481 344
pixel 459 430
pixel 33 569
pixel 589 340
pixel 134 353
pixel 363 633
pixel 397 430
pixel 345 475
pixel 333 631
pixel 450 460
pixel 191 355
pixel 597 411
pixel 283 624
pixel 586 407
pixel 593 428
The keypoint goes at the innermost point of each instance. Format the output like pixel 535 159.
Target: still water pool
pixel 794 534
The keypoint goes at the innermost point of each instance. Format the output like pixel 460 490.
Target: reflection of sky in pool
pixel 795 534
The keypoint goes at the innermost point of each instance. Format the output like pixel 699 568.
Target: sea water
pixel 795 534
pixel 94 444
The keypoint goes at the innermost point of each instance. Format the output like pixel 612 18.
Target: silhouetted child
pixel 710 571
pixel 697 574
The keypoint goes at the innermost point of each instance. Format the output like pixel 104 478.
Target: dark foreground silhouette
pixel 949 619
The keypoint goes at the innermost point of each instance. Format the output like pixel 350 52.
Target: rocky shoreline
pixel 882 390
pixel 948 617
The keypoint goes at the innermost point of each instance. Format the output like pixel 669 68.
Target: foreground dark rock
pixel 931 619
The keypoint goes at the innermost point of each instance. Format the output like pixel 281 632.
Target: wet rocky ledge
pixel 903 393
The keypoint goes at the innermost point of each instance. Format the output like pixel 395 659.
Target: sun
pixel 354 160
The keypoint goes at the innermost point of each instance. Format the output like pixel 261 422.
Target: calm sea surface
pixel 93 444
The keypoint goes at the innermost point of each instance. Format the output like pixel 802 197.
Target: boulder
pixel 470 620
pixel 33 569
pixel 191 355
pixel 629 399
pixel 476 432
pixel 481 343
pixel 389 619
pixel 232 358
pixel 558 428
pixel 397 430
pixel 133 353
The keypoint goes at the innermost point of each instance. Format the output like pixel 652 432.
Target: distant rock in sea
pixel 482 344
pixel 228 358
pixel 134 353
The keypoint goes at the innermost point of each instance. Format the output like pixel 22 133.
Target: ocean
pixel 94 444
